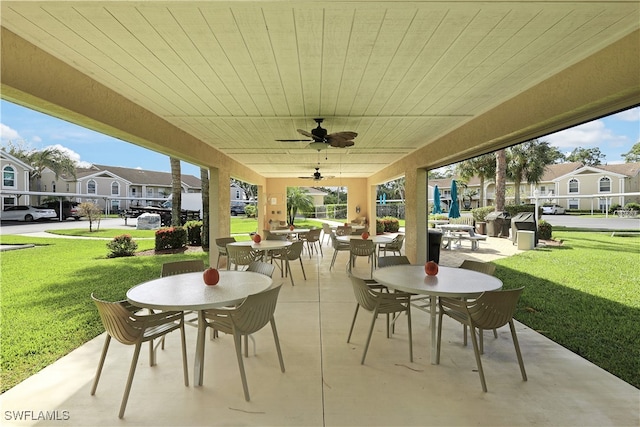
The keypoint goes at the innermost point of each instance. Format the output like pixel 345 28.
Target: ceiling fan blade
pixel 348 135
pixel 340 142
pixel 310 135
pixel 294 140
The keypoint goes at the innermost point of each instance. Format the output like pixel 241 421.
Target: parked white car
pixel 27 213
pixel 553 210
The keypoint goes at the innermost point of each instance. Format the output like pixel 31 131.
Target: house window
pixel 543 189
pixel 8 201
pixel 115 188
pixel 91 187
pixel 53 186
pixel 604 185
pixel 149 192
pixel 573 186
pixel 8 176
pixel 237 194
pixel 115 206
pixel 68 187
pixel 574 204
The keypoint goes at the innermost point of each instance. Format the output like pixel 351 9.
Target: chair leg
pixel 237 339
pixel 132 371
pixel 476 351
pixel 277 340
pixel 366 346
pixel 353 322
pixel 302 267
pixel 333 260
pixel 183 338
pixel 105 347
pixel 439 340
pixel 517 346
pixel 410 333
pixel 218 263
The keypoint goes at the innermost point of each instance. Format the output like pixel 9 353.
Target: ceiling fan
pixel 317 176
pixel 319 135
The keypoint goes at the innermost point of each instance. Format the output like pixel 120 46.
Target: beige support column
pixel 219 213
pixel 416 215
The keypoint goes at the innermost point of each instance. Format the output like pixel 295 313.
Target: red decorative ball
pixel 257 238
pixel 365 235
pixel 291 227
pixel 431 268
pixel 211 276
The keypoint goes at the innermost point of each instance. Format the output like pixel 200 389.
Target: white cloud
pixel 8 134
pixel 587 135
pixel 72 155
pixel 632 115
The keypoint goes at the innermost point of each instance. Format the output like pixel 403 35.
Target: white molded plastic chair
pixel 122 323
pixel 249 317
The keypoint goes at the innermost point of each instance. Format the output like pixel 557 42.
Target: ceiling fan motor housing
pixel 319 132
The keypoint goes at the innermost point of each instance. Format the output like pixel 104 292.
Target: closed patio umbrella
pixel 436 201
pixel 454 211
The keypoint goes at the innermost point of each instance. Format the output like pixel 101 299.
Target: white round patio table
pixel 188 292
pixel 449 282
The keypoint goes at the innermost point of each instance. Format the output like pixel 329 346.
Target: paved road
pixel 584 221
pixel 15 227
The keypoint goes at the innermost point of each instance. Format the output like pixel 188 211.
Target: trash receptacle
pixel 434 240
pixel 526 240
pixel 481 227
pixel 497 224
pixel 524 221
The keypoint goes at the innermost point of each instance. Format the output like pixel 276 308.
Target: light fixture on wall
pixel 358 209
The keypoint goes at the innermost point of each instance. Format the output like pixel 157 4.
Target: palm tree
pixel 527 162
pixel 176 191
pixel 484 167
pixel 297 199
pixel 501 178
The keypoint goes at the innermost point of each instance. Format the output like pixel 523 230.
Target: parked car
pixel 69 209
pixel 237 209
pixel 549 209
pixel 27 213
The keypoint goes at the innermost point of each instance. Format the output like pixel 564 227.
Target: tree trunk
pixel 204 178
pixel 176 191
pixel 516 191
pixel 501 178
pixel 482 201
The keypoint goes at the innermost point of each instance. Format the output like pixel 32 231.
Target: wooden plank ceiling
pixel 239 75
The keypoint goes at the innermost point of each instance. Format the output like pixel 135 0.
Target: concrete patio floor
pixel 324 383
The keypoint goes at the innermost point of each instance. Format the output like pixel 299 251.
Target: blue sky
pixel 614 135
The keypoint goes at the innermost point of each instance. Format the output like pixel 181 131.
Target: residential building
pixel 115 188
pixel 571 185
pixel 15 176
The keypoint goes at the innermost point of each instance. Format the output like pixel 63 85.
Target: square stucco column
pixel 219 202
pixel 416 215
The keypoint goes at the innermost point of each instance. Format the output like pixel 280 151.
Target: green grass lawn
pixel 583 295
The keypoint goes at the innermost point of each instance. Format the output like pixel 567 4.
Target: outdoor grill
pixel 524 221
pixel 497 224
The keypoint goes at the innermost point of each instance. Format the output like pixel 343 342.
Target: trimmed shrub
pixel 122 245
pixel 379 226
pixel 634 206
pixel 171 238
pixel 479 214
pixel 194 232
pixel 391 225
pixel 544 230
pixel 250 211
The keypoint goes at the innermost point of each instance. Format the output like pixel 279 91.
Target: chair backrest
pixel 494 309
pixel 255 311
pixel 343 230
pixel 117 321
pixel 396 243
pixel 222 242
pixel 262 268
pixel 179 267
pixel 387 261
pixel 241 255
pixel 295 250
pixel 337 244
pixel 481 267
pixel 363 293
pixel 314 235
pixel 360 247
pixel 326 228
